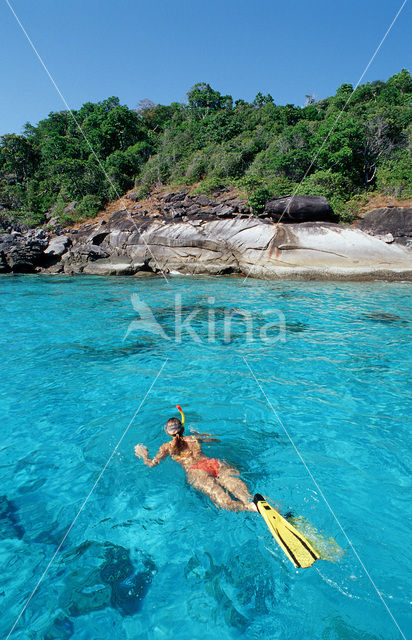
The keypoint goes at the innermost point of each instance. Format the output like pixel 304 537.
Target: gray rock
pixel 308 250
pixel 387 237
pixel 193 209
pixel 179 197
pixel 300 209
pixel 58 245
pixel 396 221
pixel 176 212
pixel 53 222
pixel 121 220
pixel 70 207
pixel 113 266
pixel 38 234
pixel 4 267
pixel 203 201
pixel 168 197
pixel 209 211
pixel 22 252
pixel 238 205
pixel 187 202
pixel 245 245
pixel 216 240
pixel 224 211
pixel 175 197
pixel 92 251
pixel 98 237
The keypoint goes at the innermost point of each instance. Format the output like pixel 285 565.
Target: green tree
pixel 17 157
pixel 257 192
pixel 260 99
pixel 203 100
pixel 394 177
pixel 402 81
pixel 212 143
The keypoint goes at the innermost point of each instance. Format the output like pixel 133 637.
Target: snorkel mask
pixel 174 426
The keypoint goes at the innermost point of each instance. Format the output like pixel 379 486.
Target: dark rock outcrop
pixel 391 224
pixel 180 204
pixel 22 252
pixel 104 575
pixel 129 588
pixel 300 209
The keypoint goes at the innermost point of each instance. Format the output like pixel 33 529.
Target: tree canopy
pixel 211 141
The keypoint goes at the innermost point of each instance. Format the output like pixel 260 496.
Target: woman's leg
pixel 229 481
pixel 204 482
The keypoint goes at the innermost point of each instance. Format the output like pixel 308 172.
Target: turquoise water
pixel 148 557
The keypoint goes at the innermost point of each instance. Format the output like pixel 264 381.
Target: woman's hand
pixel 140 451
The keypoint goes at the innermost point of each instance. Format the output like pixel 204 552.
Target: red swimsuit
pixel 210 465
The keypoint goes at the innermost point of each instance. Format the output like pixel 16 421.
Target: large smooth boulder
pixel 300 209
pixel 58 245
pixel 394 221
pixel 250 246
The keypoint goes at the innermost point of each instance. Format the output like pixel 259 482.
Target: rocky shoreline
pixel 184 234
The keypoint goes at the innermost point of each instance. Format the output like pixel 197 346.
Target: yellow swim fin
pixel 297 548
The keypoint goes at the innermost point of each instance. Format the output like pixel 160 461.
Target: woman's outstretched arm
pixel 141 452
pixel 204 437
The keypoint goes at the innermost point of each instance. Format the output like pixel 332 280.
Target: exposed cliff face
pixel 248 246
pixel 210 239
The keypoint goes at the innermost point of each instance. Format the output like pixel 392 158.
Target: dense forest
pixel 209 142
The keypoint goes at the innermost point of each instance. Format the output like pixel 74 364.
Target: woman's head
pixel 174 427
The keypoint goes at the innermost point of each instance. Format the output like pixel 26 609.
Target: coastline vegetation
pixel 209 142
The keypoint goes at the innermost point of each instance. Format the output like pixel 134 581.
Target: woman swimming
pixel 214 477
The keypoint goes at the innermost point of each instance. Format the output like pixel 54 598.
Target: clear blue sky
pixel 134 50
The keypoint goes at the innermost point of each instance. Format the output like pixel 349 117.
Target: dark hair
pixel 176 426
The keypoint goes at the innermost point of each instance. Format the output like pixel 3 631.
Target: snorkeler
pixel 220 481
pixel 216 478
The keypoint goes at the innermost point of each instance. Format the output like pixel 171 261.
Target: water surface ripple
pixel 151 558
